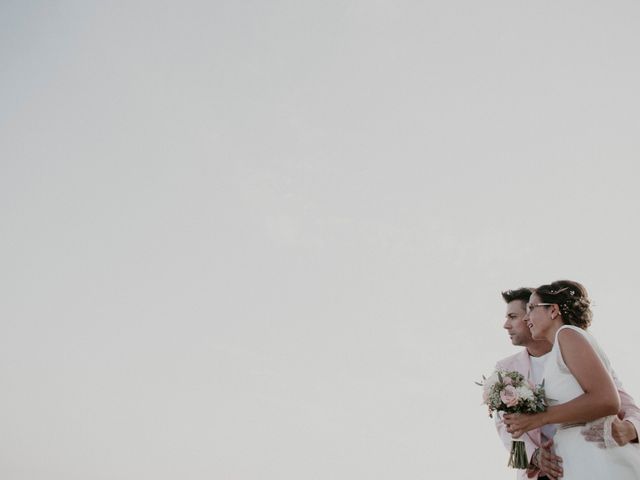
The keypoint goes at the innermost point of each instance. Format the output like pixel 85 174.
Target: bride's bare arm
pixel 600 397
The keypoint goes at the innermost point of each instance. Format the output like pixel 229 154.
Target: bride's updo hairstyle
pixel 573 300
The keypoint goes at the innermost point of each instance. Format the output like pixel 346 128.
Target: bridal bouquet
pixel 510 392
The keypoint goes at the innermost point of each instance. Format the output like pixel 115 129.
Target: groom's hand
pixel 594 432
pixel 622 432
pixel 549 463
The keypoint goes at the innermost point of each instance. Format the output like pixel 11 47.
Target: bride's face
pixel 538 317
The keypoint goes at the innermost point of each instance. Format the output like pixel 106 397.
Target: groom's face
pixel 515 325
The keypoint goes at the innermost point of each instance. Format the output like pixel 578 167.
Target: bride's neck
pixel 551 334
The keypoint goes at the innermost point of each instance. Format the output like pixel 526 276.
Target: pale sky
pixel 266 240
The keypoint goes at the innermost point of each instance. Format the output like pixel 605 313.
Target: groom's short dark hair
pixel 519 294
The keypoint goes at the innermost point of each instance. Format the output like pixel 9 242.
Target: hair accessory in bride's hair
pixel 571 292
pixel 554 291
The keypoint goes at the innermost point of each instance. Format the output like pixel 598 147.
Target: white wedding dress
pixel 584 460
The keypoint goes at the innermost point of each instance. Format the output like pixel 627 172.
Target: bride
pixel 578 384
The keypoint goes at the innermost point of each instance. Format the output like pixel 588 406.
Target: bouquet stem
pixel 518 456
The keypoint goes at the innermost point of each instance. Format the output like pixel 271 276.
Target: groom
pixel 529 361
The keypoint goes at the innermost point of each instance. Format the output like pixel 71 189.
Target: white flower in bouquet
pixel 525 392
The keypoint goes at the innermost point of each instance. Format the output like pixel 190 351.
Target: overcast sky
pixel 266 240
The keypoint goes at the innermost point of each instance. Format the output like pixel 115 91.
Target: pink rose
pixel 509 396
pixel 507 380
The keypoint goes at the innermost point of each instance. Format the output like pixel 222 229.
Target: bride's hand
pixel 520 423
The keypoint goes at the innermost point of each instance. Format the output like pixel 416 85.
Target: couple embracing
pixel 590 428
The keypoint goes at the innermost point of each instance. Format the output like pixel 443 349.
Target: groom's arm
pixel 502 432
pixel 626 431
pixel 506 438
pixel 623 429
pixel 501 428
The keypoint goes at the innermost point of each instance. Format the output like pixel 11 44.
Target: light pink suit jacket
pixel 521 362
